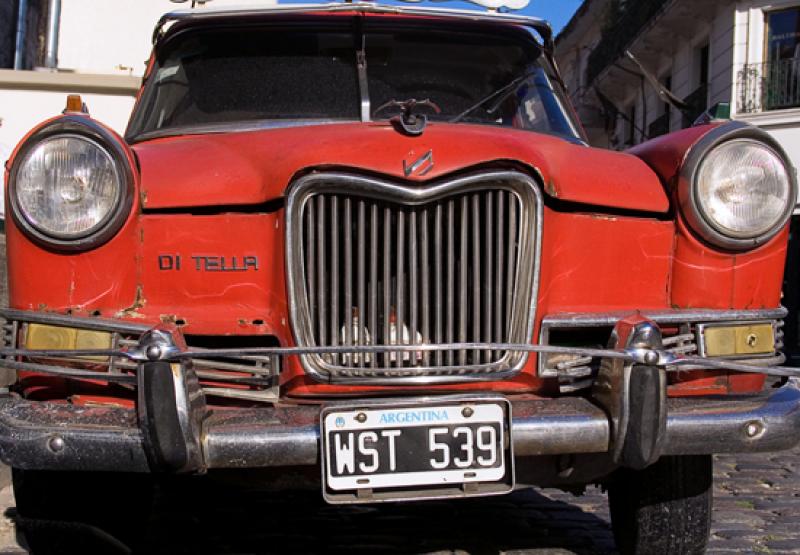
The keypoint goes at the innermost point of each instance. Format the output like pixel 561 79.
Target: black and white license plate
pixel 415 446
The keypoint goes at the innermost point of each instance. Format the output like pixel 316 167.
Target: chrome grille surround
pixel 367 204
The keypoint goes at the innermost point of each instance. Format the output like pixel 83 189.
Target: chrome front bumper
pixel 40 435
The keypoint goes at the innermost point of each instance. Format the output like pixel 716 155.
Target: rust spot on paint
pixel 550 189
pixel 132 311
pixel 168 318
pixel 42 307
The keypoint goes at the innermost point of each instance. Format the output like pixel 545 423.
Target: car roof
pixel 208 15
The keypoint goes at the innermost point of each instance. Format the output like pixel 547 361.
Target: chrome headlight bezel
pixel 86 129
pixel 687 191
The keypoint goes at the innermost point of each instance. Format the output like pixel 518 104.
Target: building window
pixel 781 74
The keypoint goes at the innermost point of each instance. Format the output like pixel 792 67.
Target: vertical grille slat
pixel 401 282
pixel 361 312
pixel 348 278
pixel 425 300
pixel 450 268
pixel 310 267
pixel 487 275
pixel 413 297
pixel 498 292
pixel 387 282
pixel 444 269
pixel 476 277
pixel 335 316
pixel 438 298
pixel 322 309
pixel 463 314
pixel 512 235
pixel 373 275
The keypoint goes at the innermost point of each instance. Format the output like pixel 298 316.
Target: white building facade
pixel 101 48
pixel 744 53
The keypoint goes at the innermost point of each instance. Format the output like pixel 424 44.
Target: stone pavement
pixel 757 510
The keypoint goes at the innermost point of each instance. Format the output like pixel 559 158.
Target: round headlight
pixel 737 189
pixel 743 189
pixel 70 189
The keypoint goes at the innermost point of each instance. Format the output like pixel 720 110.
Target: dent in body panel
pixel 590 262
pixel 704 277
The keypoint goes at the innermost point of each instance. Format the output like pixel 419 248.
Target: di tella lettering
pixel 207 263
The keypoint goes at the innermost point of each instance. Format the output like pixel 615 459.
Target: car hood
pixel 254 167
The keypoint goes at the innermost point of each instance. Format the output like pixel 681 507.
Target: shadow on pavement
pixel 203 516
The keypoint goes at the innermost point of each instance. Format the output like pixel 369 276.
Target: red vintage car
pixel 371 242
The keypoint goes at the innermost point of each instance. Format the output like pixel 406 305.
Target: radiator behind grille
pixel 373 263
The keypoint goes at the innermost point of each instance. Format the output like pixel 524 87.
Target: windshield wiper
pixel 502 93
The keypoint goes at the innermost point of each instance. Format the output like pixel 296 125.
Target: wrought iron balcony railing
pixel 772 85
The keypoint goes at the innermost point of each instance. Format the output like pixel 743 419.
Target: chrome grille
pixel 378 264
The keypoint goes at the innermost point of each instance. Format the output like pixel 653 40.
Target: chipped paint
pixel 603 217
pixel 138 303
pixel 167 318
pixel 550 189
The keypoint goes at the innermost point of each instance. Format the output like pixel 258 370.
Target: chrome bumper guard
pixel 38 435
pixel 627 417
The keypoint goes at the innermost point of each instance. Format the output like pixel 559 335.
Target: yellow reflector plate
pixel 751 339
pixel 42 336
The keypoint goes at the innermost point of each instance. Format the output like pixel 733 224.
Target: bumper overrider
pixel 627 418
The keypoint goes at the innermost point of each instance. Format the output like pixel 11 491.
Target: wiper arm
pixel 502 93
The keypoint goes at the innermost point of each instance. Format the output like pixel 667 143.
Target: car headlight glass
pixel 67 186
pixel 743 189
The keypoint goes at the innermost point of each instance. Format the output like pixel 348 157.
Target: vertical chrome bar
pixel 438 263
pixel 321 271
pixel 488 293
pixel 463 255
pixel 499 266
pixel 512 255
pixel 335 316
pixel 348 278
pixel 373 279
pixel 424 304
pixel 311 279
pixel 362 286
pixel 387 284
pixel 413 297
pixel 401 231
pixel 451 262
pixel 476 275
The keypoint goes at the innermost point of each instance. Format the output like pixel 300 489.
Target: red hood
pixel 246 168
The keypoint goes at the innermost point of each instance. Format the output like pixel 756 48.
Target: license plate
pixel 416 446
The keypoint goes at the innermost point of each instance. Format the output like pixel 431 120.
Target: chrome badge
pixel 420 166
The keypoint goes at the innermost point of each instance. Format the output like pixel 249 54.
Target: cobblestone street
pixel 757 506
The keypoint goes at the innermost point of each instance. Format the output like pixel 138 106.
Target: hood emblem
pixel 420 166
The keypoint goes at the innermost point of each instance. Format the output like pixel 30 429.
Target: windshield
pixel 289 74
